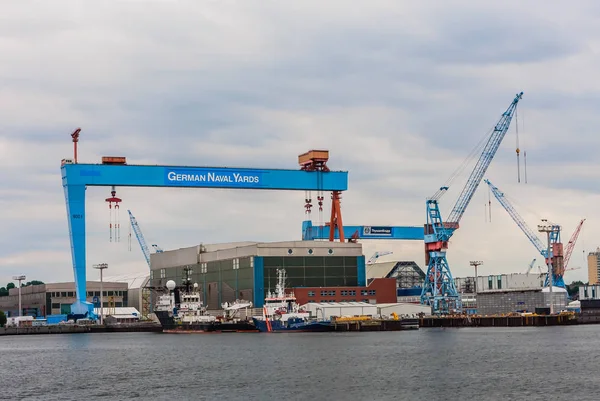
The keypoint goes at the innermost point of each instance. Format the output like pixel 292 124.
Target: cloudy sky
pixel 399 91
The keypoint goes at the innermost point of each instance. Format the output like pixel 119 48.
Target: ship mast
pixel 187 280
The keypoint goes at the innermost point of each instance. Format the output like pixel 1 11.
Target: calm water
pixel 553 363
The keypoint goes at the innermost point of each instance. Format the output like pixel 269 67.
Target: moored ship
pixel 281 312
pixel 181 310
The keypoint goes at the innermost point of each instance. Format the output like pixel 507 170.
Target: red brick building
pixel 381 290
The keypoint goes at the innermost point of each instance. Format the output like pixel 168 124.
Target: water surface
pixel 546 363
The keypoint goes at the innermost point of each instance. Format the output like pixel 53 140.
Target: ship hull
pixel 169 326
pixel 277 326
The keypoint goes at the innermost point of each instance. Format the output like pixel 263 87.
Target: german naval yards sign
pixel 200 177
pixel 377 231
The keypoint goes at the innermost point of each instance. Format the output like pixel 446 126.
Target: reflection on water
pixel 547 363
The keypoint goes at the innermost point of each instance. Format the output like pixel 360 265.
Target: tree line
pixel 4 290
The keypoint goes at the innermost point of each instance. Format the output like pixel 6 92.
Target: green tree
pixel 10 285
pixel 33 282
pixel 2 319
pixel 3 292
pixel 573 288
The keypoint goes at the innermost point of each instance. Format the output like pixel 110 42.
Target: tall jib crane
pixel 559 262
pixel 145 251
pixel 377 255
pixel 140 237
pixel 439 290
pixel 530 266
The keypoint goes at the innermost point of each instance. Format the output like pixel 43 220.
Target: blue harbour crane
pixel 439 290
pixel 145 250
pixel 140 237
pixel 555 241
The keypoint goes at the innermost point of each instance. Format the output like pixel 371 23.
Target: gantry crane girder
pixel 439 290
pixel 76 177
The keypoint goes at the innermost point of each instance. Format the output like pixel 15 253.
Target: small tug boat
pixel 182 311
pixel 281 312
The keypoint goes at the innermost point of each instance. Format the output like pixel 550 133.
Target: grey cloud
pixel 399 93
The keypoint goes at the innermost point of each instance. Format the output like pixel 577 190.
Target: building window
pixel 365 300
pixel 332 293
pixel 344 292
pixel 236 264
pixel 371 292
pixel 363 292
pixel 151 274
pixel 499 282
pixel 490 283
pixel 323 293
pixel 203 268
pixel 310 251
pixel 251 261
pixel 352 292
pixel 311 293
pixel 162 273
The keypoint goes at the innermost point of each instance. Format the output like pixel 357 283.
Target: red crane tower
pixel 316 160
pixel 75 136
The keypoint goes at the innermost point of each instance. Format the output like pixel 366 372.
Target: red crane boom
pixel 571 246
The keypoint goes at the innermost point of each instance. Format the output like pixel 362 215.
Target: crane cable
pixel 461 168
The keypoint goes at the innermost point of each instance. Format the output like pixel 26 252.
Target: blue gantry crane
pixel 115 172
pixel 439 290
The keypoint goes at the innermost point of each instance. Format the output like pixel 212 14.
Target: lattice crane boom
pixel 140 237
pixel 530 266
pixel 535 240
pixel 488 153
pixel 377 255
pixel 571 245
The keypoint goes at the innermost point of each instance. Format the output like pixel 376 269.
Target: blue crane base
pixel 83 310
pixel 439 290
pixel 558 281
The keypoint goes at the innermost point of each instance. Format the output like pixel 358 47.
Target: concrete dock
pixel 499 321
pixel 74 328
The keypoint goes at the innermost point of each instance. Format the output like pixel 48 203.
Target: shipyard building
pixel 57 298
pixel 317 271
pixel 593 260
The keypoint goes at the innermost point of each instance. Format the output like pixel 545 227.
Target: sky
pixel 400 92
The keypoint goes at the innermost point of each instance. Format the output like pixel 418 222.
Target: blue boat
pixel 281 312
pixel 292 324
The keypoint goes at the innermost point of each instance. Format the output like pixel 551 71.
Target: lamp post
pixel 19 279
pixel 236 267
pixel 548 228
pixel 101 267
pixel 476 263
